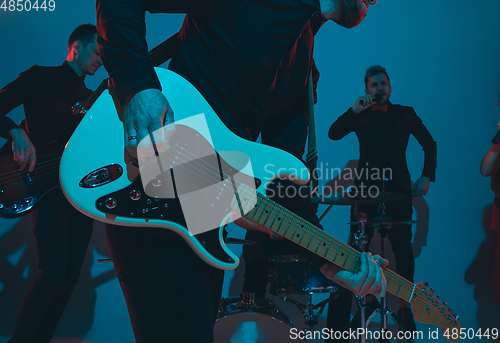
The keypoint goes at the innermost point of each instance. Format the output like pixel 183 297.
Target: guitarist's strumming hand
pixel 147 112
pixel 23 150
pixel 369 280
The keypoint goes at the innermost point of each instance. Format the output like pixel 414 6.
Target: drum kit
pixel 246 319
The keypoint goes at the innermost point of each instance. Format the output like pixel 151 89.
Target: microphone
pixel 496 139
pixel 378 98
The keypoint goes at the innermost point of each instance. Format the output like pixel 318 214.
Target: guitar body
pixel 23 191
pixel 99 180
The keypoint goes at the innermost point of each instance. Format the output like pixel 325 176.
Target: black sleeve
pixel 121 38
pixel 428 144
pixel 15 94
pixel 344 125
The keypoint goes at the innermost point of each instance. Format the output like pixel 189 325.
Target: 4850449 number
pixel 27 5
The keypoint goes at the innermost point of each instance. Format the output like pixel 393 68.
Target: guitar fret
pixel 320 240
pixel 269 211
pixel 293 234
pixel 401 283
pixel 312 235
pixel 347 256
pixel 245 195
pixel 328 248
pixel 290 221
pixel 258 220
pixel 389 279
pixel 338 249
pixel 251 213
pixel 281 221
pixel 357 261
pixel 412 292
pixel 303 232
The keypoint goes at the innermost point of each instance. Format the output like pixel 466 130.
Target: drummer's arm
pixel 429 146
pixel 344 125
pixel 369 280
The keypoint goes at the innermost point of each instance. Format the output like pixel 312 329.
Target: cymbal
pixel 377 223
pixel 230 240
pixel 361 198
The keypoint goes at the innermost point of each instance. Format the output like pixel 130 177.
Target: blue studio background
pixel 442 58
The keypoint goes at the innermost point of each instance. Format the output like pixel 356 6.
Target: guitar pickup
pixel 101 176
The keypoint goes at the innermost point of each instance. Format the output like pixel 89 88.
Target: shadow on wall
pixel 18 268
pixel 488 312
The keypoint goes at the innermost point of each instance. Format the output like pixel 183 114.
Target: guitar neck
pixel 260 209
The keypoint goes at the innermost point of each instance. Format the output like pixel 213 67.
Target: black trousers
pixel 62 235
pixel 171 294
pixel 339 310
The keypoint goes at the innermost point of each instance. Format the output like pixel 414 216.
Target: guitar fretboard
pixel 262 210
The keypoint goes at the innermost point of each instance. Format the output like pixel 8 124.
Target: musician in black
pixel 251 61
pixel 62 233
pixel 383 131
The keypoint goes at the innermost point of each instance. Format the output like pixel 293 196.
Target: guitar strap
pixel 312 152
pixel 165 50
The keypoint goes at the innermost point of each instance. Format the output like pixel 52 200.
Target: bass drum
pixel 255 321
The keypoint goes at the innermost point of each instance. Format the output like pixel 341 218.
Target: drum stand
pixel 384 225
pixel 308 309
pixel 359 241
pixel 383 230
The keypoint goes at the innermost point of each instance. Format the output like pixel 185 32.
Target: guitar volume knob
pixel 135 194
pixel 156 182
pixel 110 203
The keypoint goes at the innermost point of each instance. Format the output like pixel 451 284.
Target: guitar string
pixel 46 169
pixel 41 163
pixel 13 183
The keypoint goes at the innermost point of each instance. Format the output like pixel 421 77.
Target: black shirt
pixel 249 59
pixel 383 138
pixel 47 93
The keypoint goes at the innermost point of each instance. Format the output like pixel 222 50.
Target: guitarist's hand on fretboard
pixel 23 150
pixel 369 280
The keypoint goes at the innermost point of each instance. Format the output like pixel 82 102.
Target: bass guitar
pixel 23 191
